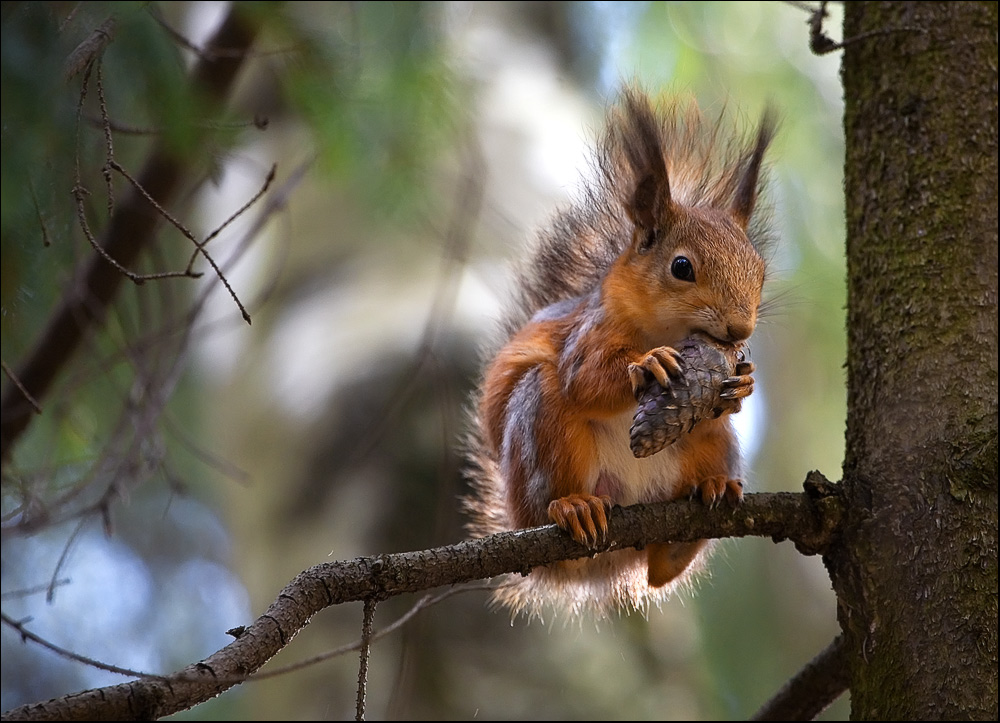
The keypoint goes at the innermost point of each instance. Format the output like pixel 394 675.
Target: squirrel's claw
pixel 584 517
pixel 737 387
pixel 662 363
pixel 713 490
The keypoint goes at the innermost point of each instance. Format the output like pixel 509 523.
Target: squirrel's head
pixel 699 273
pixel 690 263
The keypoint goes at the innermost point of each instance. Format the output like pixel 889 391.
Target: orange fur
pixel 664 250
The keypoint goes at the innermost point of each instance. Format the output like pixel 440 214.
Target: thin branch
pixel 177 36
pixel 423 603
pixel 17 594
pixel 457 239
pixel 813 689
pixel 810 519
pixel 258 122
pixel 80 192
pixel 226 467
pixel 19 626
pixel 54 582
pixel 246 206
pixel 33 515
pixel 46 241
pixel 108 141
pixel 200 245
pixel 207 53
pixel 20 387
pixel 366 645
pixel 129 232
pixel 820 43
pixel 153 202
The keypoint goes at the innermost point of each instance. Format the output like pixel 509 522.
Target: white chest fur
pixel 625 478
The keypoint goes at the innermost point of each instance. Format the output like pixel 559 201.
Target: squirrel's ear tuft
pixel 637 132
pixel 747 188
pixel 642 207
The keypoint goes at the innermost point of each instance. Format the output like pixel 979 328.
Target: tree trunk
pixel 916 568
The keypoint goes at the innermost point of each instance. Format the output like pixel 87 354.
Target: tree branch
pixel 809 519
pixel 816 686
pixel 129 232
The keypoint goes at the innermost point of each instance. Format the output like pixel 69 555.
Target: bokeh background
pixel 183 473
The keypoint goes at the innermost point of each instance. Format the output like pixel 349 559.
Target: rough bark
pixel 916 568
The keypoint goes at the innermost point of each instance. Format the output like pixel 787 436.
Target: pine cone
pixel 715 380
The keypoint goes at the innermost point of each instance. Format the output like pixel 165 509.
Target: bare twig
pixel 246 206
pixel 80 192
pixel 208 53
pixel 46 241
pixel 37 589
pixel 820 43
pixel 457 238
pixel 229 469
pixel 190 236
pixel 258 122
pixel 108 143
pixel 813 688
pixel 177 36
pixel 32 516
pixel 19 626
pixel 366 644
pixel 423 603
pixel 17 383
pixel 54 582
pixel 129 233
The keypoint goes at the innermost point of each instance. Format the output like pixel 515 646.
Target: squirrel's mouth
pixel 725 345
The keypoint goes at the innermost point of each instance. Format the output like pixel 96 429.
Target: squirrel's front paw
pixel 737 387
pixel 584 517
pixel 713 489
pixel 662 363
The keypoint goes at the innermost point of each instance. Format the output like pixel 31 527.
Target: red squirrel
pixel 664 244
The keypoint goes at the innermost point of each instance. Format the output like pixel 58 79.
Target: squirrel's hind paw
pixel 712 490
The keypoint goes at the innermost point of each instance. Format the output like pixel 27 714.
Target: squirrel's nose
pixel 738 331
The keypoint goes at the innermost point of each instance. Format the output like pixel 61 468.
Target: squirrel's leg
pixel 711 466
pixel 710 470
pixel 667 560
pixel 574 507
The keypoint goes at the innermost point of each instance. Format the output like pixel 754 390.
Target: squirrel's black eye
pixel 682 269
